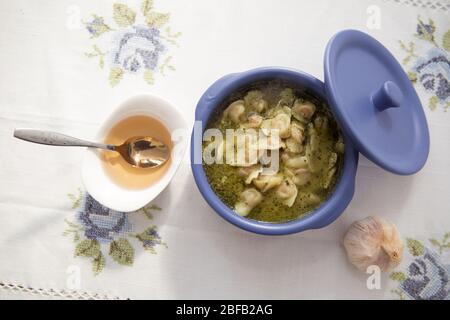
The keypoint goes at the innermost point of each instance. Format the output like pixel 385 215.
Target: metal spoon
pixel 143 152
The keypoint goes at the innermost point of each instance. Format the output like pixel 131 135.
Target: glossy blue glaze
pixel 327 212
pixel 375 102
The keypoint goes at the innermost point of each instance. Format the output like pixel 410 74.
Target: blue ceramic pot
pixel 209 103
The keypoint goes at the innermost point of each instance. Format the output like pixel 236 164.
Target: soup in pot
pixel 273 153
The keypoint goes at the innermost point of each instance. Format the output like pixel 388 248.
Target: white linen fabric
pixel 60 70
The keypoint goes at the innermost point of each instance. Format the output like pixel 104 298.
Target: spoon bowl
pixel 144 152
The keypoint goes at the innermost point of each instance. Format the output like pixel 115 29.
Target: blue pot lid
pixel 375 102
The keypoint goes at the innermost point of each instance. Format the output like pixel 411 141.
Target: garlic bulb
pixel 373 241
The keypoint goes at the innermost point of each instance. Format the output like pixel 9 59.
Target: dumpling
pixel 250 173
pixel 266 182
pixel 332 160
pixel 297 131
pixel 303 110
pixel 309 198
pixel 294 161
pixel 254 101
pixel 287 192
pixel 279 110
pixel 235 111
pixel 287 97
pixel 293 145
pixel 299 176
pixel 261 105
pixel 254 120
pixel 312 150
pixel 248 199
pixel 280 123
pixel 329 177
pixel 313 137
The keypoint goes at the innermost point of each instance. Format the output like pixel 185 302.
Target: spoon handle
pixel 56 139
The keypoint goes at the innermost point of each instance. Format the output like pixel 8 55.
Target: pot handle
pixel 211 94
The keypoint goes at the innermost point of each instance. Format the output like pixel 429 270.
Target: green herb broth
pixel 228 184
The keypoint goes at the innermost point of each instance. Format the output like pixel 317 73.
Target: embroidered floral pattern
pixel 96 228
pixel 139 46
pixel 427 277
pixel 430 69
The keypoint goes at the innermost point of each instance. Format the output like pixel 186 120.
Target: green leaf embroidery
pixel 87 248
pixel 446 236
pixel 98 263
pixel 148 76
pixel 398 276
pixel 115 76
pixel 446 41
pixel 146 210
pixel 441 245
pixel 399 293
pixel 76 198
pixel 433 102
pixel 166 65
pixel 122 252
pixel 409 49
pixel 73 229
pixel 73 225
pixel 123 15
pixel 97 53
pixel 415 247
pixel 156 19
pixel 146 6
pixel 146 235
pixel 412 76
pixel 435 242
pixel 75 233
pixel 170 36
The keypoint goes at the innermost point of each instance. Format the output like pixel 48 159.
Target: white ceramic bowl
pixel 94 177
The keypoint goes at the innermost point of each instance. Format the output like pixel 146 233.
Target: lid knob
pixel 387 96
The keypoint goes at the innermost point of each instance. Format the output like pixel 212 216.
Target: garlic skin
pixel 373 241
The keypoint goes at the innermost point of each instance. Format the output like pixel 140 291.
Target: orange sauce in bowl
pixel 120 171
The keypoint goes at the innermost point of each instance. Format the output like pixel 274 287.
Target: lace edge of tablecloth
pixel 65 294
pixel 442 5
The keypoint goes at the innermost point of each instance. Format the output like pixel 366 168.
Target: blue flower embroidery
pixel 150 238
pixel 96 27
pixel 101 223
pixel 427 278
pixel 97 227
pixel 138 48
pixel 431 66
pixel 138 45
pixel 425 31
pixel 433 72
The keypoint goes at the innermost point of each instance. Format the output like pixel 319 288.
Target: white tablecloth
pixel 58 71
